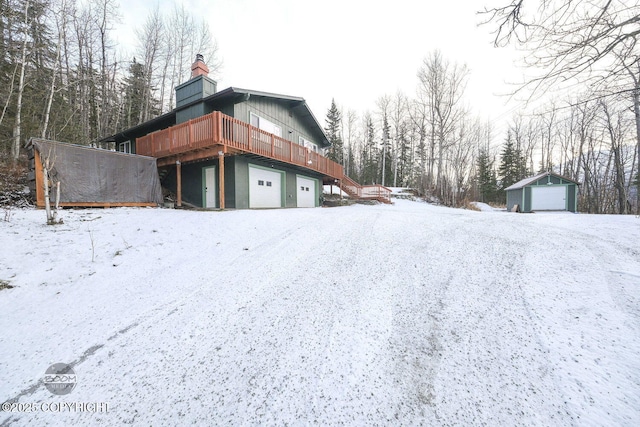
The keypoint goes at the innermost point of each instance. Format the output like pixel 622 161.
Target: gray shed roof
pixel 524 182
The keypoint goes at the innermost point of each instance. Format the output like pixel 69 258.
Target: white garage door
pixel 265 188
pixel 550 198
pixel 306 192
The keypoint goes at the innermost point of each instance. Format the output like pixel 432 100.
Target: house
pixel 547 191
pixel 239 148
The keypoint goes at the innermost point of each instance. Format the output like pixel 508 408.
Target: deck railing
pixel 219 129
pixel 377 192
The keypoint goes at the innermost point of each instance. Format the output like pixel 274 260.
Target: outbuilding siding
pixel 514 197
pixel 521 192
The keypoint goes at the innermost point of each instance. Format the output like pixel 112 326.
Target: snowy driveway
pixel 365 315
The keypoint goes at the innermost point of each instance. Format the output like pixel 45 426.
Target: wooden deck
pixel 216 133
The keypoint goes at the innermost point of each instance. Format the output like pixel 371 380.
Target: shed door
pixel 210 187
pixel 265 188
pixel 306 192
pixel 549 198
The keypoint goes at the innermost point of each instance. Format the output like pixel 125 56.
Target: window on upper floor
pixel 308 144
pixel 264 124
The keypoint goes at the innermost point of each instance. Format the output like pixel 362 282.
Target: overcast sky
pixel 351 50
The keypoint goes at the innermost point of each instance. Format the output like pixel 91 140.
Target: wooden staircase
pixel 364 192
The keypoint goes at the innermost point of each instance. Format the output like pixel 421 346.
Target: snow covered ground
pixel 403 314
pixel 485 207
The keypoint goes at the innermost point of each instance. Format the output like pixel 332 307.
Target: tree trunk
pixel 17 129
pixel 636 110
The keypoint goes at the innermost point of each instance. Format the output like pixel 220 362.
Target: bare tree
pixel 615 128
pixel 60 17
pixel 150 38
pixel 442 85
pixel 17 125
pixel 588 42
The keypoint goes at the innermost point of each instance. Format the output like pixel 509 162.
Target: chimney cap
pixel 199 68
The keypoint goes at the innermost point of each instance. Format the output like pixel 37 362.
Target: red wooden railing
pixel 219 129
pixel 353 189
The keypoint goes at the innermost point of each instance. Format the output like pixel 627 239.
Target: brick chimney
pixel 199 68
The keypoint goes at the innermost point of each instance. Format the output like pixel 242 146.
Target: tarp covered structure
pixel 95 177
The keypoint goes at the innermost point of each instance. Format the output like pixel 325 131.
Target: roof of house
pixel 230 94
pixel 524 182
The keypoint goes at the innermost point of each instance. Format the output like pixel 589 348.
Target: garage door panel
pixel 549 198
pixel 306 192
pixel 265 188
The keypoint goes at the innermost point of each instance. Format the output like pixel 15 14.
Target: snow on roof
pixel 526 181
pixel 532 179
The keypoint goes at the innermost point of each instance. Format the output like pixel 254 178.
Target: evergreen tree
pixel 369 154
pixel 333 120
pixel 386 162
pixel 136 94
pixel 513 164
pixel 487 181
pixel 404 157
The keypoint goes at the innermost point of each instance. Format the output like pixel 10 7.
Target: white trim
pixel 125 147
pixel 308 144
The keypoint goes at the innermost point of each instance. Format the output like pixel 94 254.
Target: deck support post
pixel 178 183
pixel 221 178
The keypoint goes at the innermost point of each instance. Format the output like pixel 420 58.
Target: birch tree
pixel 442 85
pixel 17 125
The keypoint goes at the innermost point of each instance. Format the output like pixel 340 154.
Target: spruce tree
pixel 386 160
pixel 487 181
pixel 513 165
pixel 369 154
pixel 332 129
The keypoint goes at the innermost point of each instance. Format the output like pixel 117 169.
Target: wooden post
pixel 39 178
pixel 179 183
pixel 249 136
pixel 221 178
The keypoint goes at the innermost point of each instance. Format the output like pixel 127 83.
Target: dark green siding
pixel 193 181
pixel 193 90
pixel 192 112
pixel 291 193
pixel 242 181
pixel 241 173
pixel 280 113
pixel 514 197
pixel 571 197
pixel 527 200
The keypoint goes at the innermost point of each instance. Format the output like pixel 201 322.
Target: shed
pixel 92 177
pixel 547 191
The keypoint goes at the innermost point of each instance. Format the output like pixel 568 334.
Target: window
pixel 125 147
pixel 260 182
pixel 308 144
pixel 264 124
pixel 268 183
